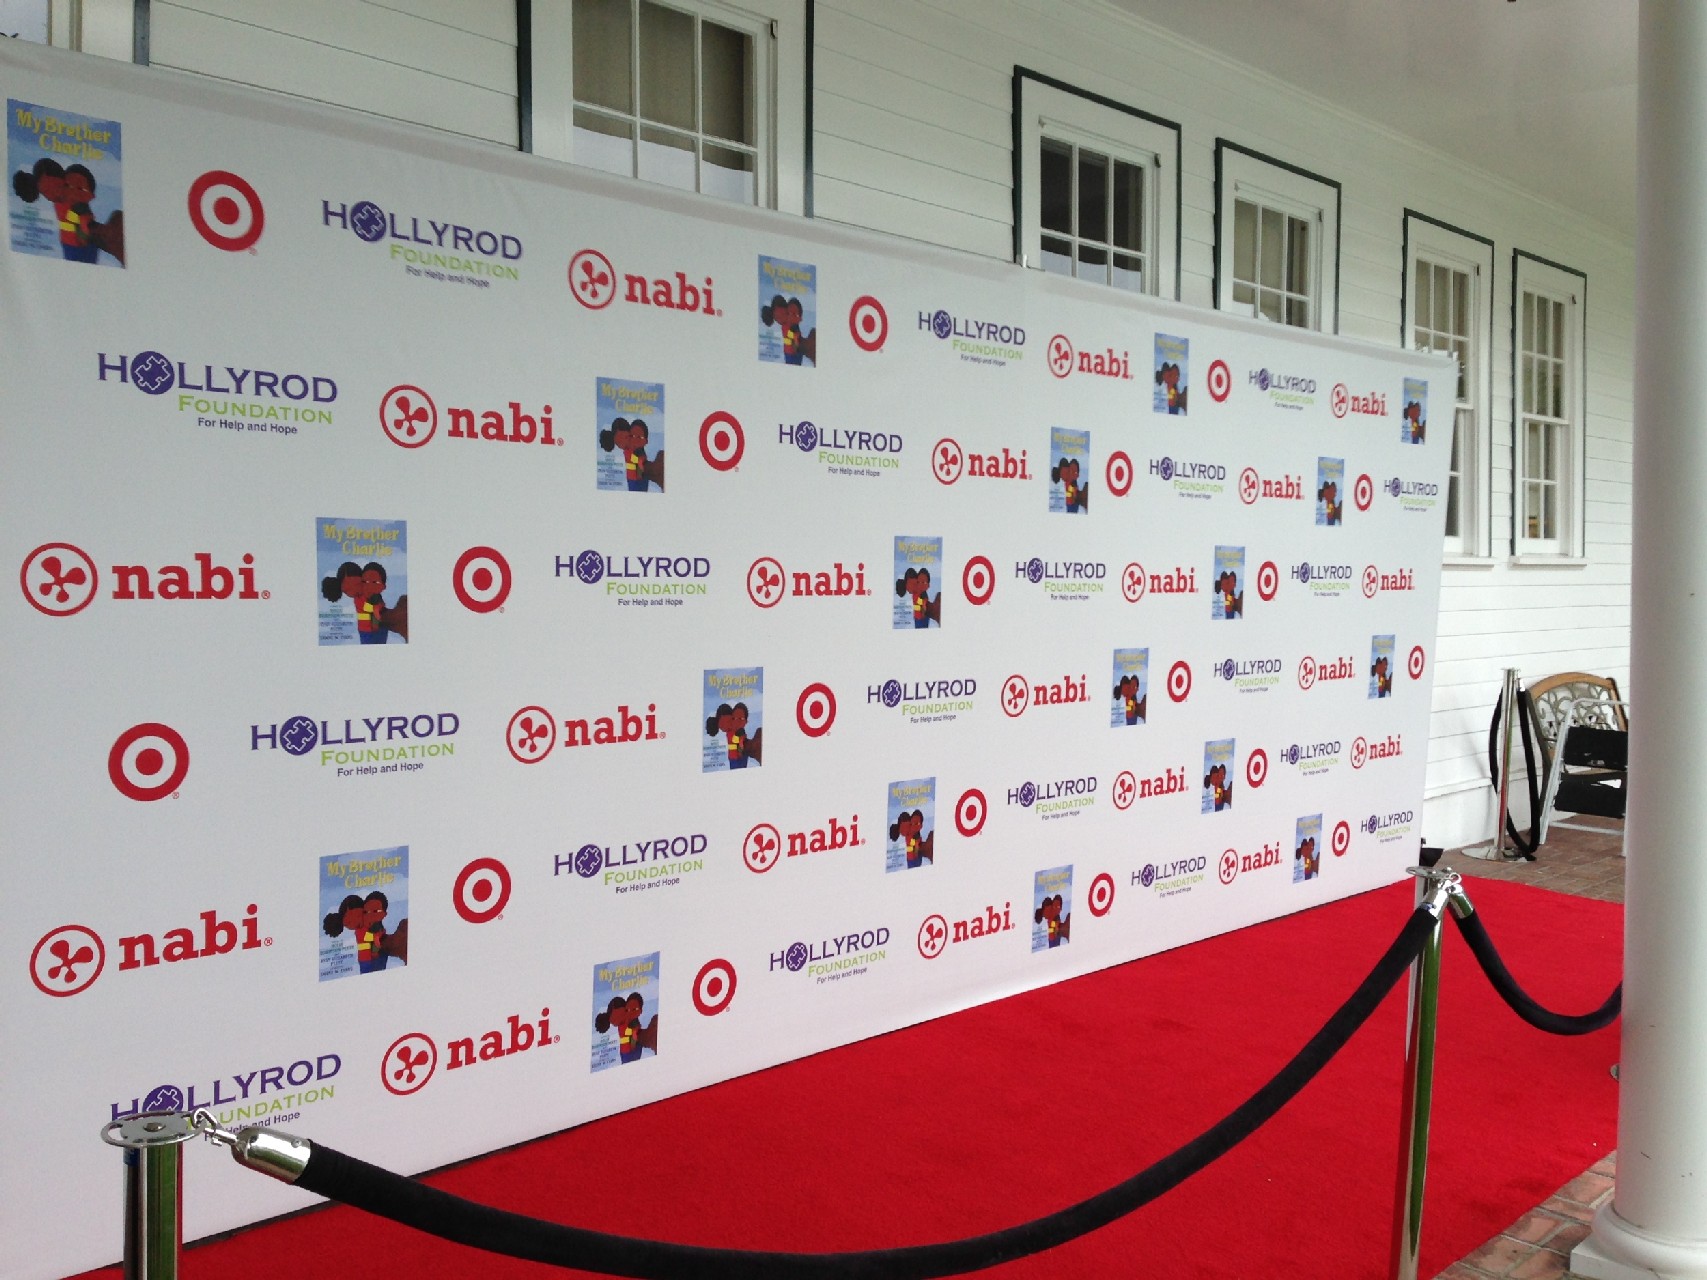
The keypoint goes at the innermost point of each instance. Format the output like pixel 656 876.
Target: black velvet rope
pixel 1559 1024
pixel 340 1177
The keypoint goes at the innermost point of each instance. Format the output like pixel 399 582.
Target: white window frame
pixel 1049 108
pixel 1534 276
pixel 1241 173
pixel 778 28
pixel 1438 244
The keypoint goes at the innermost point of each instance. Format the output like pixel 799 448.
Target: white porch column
pixel 1656 1224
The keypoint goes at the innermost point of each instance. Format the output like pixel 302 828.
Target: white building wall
pixel 912 136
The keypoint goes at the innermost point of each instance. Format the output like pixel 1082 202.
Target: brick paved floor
pixel 1538 1245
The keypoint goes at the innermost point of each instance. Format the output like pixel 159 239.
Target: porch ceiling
pixel 1540 92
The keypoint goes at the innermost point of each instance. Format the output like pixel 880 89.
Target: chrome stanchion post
pixel 153 1190
pixel 1434 889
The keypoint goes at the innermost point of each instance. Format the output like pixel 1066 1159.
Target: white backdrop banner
pixel 1046 628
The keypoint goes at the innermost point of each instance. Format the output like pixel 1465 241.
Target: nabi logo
pixel 593 282
pixel 768 582
pixel 68 959
pixel 60 579
pixel 410 419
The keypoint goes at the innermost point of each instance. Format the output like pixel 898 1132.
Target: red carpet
pixel 1006 1112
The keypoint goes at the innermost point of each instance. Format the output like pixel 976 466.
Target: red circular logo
pixel 947 460
pixel 721 441
pixel 815 712
pixel 67 960
pixel 1132 582
pixel 1179 681
pixel 225 211
pixel 1371 581
pixel 592 279
pixel 762 847
pixel 408 416
pixel 1359 753
pixel 978 580
pixel 481 579
pixel 1250 485
pixel 933 937
pixel 1220 381
pixel 409 1063
pixel 1125 789
pixel 1341 839
pixel 148 761
pixel 1118 473
pixel 1256 767
pixel 1418 661
pixel 714 987
pixel 970 811
pixel 482 890
pixel 1341 400
pixel 1101 896
pixel 868 322
pixel 1229 868
pixel 59 579
pixel 764 582
pixel 1268 580
pixel 1016 696
pixel 531 735
pixel 1060 356
pixel 1306 672
pixel 1363 492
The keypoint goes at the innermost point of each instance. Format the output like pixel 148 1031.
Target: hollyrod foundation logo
pixel 1169 879
pixel 848 955
pixel 60 579
pixel 936 700
pixel 639 580
pixel 67 960
pixel 1249 675
pixel 1312 758
pixel 594 283
pixel 949 461
pixel 410 418
pixel 1324 580
pixel 1058 798
pixel 274 1093
pixel 363 746
pixel 764 846
pixel 222 397
pixel 1389 827
pixel 985 342
pixel 1063 579
pixel 429 248
pixel 845 453
pixel 638 865
pixel 1189 478
pixel 1413 495
pixel 1289 391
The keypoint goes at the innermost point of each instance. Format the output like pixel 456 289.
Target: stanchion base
pixel 1617 1251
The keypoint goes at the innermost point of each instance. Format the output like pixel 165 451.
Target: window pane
pixel 667 158
pixel 1531 449
pixel 1093 264
pixel 1443 299
pixel 1452 507
pixel 1461 303
pixel 1532 511
pixel 1128 230
pixel 726 77
pixel 666 65
pixel 1461 349
pixel 603 143
pixel 1093 196
pixel 1422 306
pixel 729 174
pixel 1268 304
pixel 1057 256
pixel 1055 178
pixel 1271 249
pixel 1528 322
pixel 1298 312
pixel 1245 299
pixel 1128 272
pixel 603 49
pixel 1559 389
pixel 1298 257
pixel 1550 511
pixel 1244 242
pixel 1543 386
pixel 1558 328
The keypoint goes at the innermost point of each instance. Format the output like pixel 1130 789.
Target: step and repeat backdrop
pixel 779 635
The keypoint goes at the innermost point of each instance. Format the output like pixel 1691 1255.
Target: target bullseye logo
pixel 59 579
pixel 409 1063
pixel 765 582
pixel 761 848
pixel 1179 681
pixel 1250 485
pixel 67 960
pixel 1256 768
pixel 1268 580
pixel 1220 381
pixel 1341 400
pixel 933 937
pixel 1341 838
pixel 868 322
pixel 1363 492
pixel 592 279
pixel 1417 662
pixel 1016 696
pixel 1371 582
pixel 1060 356
pixel 481 579
pixel 1101 896
pixel 531 735
pixel 721 441
pixel 978 580
pixel 148 761
pixel 815 712
pixel 225 211
pixel 482 890
pixel 1132 582
pixel 948 460
pixel 714 987
pixel 1306 671
pixel 1359 753
pixel 1229 867
pixel 1125 789
pixel 408 416
pixel 1118 473
pixel 970 811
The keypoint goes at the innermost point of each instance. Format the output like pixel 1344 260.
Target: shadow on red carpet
pixel 1005 1112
